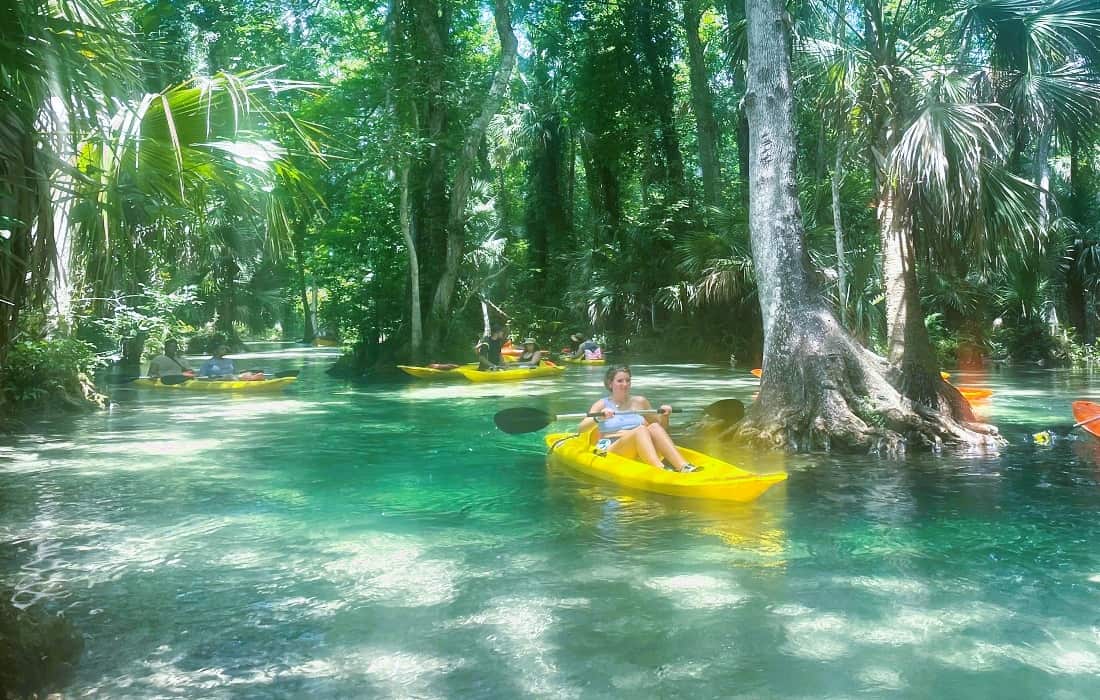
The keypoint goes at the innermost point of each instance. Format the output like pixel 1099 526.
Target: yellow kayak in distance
pixel 219 385
pixel 518 374
pixel 716 480
pixel 434 372
pixel 572 361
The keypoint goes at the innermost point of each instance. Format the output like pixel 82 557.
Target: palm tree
pixel 149 182
pixel 62 61
pixel 1044 58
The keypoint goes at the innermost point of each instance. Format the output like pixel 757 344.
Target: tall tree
pixel 464 173
pixel 702 101
pixel 819 385
pixel 62 62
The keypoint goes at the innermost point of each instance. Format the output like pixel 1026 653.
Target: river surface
pixel 387 541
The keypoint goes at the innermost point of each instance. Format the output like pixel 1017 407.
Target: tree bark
pixel 416 330
pixel 308 332
pixel 702 102
pixel 1077 207
pixel 463 179
pixel 819 385
pixel 838 233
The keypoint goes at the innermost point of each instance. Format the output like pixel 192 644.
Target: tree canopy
pixel 389 173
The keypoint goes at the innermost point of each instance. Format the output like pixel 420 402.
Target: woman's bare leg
pixel 637 443
pixel 664 445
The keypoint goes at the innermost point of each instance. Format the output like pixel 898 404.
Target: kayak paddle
pixel 528 420
pixel 1078 424
pixel 172 379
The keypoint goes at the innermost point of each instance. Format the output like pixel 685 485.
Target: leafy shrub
pixel 944 342
pixel 43 373
pixel 1028 339
pixel 152 315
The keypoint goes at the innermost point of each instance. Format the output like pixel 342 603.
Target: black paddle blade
pixel 728 410
pixel 287 373
pixel 170 379
pixel 522 420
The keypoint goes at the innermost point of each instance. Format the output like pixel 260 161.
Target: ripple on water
pixel 697 591
pixel 394 569
pixel 523 633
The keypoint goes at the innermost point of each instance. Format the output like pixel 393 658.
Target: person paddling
pixel 488 349
pixel 218 366
pixel 586 349
pixel 170 363
pixel 630 434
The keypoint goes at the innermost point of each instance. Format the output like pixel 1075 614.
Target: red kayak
pixel 1084 410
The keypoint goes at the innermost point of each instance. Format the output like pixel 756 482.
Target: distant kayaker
pixel 531 355
pixel 633 435
pixel 586 349
pixel 170 363
pixel 488 349
pixel 218 365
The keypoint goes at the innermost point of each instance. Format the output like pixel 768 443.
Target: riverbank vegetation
pixel 390 174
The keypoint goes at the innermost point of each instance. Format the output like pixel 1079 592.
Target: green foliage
pixel 39 650
pixel 944 342
pixel 1033 340
pixel 44 373
pixel 152 315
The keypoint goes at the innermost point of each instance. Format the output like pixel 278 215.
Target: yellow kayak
pixel 219 385
pixel 511 375
pixel 572 361
pixel 716 480
pixel 434 372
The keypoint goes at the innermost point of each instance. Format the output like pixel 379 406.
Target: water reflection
pixel 754 532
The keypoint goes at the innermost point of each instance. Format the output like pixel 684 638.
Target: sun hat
pixel 530 341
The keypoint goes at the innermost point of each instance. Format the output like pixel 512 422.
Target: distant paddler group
pixel 499 361
pixel 170 370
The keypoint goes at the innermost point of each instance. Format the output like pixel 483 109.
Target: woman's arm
pixel 661 417
pixel 589 423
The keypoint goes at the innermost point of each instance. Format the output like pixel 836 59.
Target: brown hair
pixel 609 376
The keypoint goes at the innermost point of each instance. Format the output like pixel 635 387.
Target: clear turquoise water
pixel 388 541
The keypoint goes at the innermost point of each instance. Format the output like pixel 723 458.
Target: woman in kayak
pixel 531 355
pixel 218 366
pixel 630 434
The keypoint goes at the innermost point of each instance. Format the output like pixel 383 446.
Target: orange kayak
pixel 758 373
pixel 971 393
pixel 1084 410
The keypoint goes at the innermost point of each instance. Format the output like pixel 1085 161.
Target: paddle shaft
pixel 599 414
pixel 1086 421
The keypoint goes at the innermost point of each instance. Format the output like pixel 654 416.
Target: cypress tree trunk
pixel 819 385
